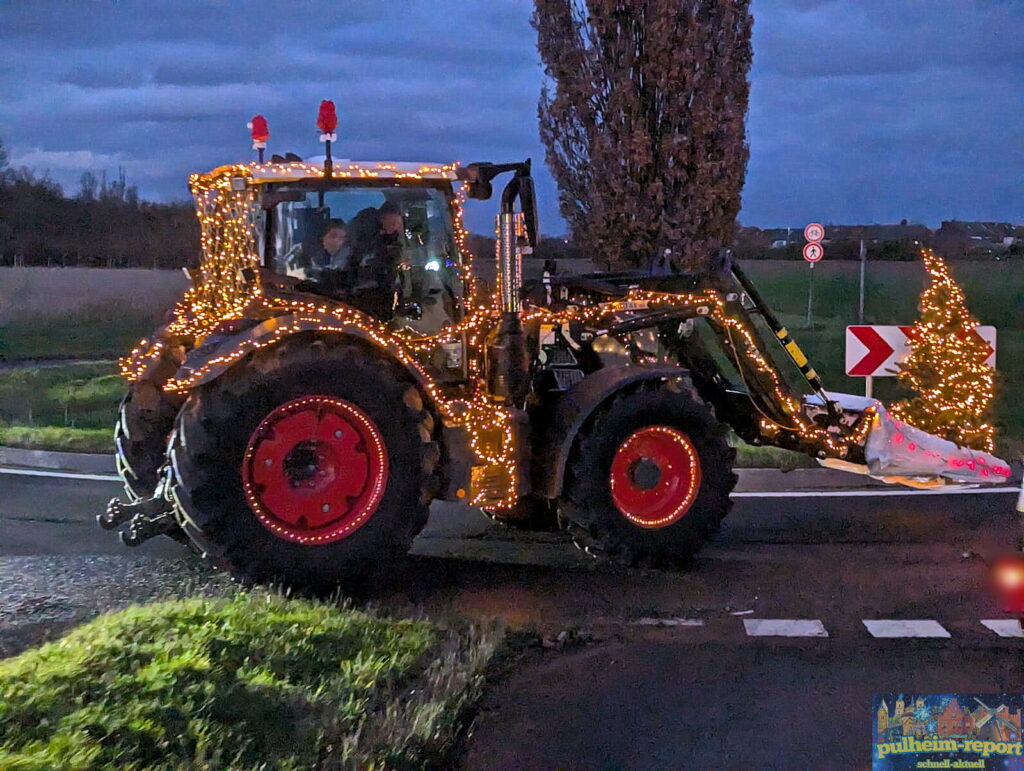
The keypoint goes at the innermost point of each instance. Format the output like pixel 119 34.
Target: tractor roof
pixel 313 168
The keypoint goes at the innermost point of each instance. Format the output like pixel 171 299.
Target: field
pixel 81 312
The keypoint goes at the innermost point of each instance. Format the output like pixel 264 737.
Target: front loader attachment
pixel 899 453
pixel 888 449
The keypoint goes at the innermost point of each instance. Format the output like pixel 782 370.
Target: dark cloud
pixel 867 110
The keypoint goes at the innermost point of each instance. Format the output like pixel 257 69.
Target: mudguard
pixel 218 353
pixel 572 411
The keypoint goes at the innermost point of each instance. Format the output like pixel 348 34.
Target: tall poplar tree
pixel 643 116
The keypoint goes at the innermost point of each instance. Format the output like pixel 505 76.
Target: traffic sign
pixel 813 233
pixel 874 351
pixel 813 252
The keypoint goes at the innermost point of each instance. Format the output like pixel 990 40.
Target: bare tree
pixel 643 119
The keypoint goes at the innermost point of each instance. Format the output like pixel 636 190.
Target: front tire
pixel 649 477
pixel 311 465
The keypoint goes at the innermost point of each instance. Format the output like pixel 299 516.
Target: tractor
pixel 338 363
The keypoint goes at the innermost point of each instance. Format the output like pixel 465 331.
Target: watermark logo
pixel 955 731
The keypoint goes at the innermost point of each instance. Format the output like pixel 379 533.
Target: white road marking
pixel 901 627
pixel 668 622
pixel 871 493
pixel 784 627
pixel 29 472
pixel 1005 627
pixel 750 494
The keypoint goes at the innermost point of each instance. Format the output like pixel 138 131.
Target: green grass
pixel 70 408
pixel 750 456
pixel 73 395
pixel 92 332
pixel 255 681
pixel 59 438
pixel 994 290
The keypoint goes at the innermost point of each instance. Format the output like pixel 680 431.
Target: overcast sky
pixel 861 110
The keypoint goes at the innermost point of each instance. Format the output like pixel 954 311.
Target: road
pixel 704 689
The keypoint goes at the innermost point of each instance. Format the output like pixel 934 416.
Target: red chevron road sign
pixel 874 351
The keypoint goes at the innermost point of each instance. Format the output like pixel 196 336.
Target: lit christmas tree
pixel 946 366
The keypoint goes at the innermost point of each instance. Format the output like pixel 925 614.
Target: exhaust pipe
pixel 508 362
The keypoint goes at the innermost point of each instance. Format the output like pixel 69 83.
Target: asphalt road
pixel 702 690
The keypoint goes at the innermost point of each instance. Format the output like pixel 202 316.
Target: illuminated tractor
pixel 338 363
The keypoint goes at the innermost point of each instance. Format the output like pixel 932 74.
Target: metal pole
pixel 810 295
pixel 860 307
pixel 869 383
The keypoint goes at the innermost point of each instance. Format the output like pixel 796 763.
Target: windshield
pixel 388 250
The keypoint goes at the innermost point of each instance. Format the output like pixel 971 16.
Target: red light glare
pixel 1009 576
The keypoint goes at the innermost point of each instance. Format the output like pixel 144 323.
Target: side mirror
pixel 478 183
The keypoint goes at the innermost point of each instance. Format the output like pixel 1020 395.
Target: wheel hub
pixel 655 476
pixel 315 470
pixel 645 473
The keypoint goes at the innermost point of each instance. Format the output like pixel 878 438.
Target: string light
pixel 221 292
pixel 946 365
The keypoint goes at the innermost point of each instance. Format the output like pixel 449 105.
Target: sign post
pixel 813 252
pixel 860 304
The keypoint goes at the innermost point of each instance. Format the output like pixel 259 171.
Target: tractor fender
pixel 574 408
pixel 218 353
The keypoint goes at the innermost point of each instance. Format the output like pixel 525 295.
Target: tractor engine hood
pixel 900 453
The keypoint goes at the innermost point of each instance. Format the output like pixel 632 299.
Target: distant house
pixel 875 234
pixel 991 233
pixel 961 239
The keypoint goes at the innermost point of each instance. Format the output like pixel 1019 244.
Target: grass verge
pixel 71 408
pixel 254 681
pixel 59 438
pixel 750 456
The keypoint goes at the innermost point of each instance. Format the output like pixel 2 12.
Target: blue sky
pixel 861 110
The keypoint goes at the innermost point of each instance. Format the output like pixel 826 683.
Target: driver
pixel 380 259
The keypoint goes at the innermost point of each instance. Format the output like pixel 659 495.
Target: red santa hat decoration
pixel 327 121
pixel 260 133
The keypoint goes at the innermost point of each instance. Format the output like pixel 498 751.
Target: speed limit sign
pixel 813 233
pixel 813 252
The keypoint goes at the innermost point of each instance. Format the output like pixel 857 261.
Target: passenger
pixel 331 252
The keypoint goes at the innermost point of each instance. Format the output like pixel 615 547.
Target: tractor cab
pixel 377 236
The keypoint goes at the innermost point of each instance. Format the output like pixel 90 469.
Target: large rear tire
pixel 311 465
pixel 649 477
pixel 144 423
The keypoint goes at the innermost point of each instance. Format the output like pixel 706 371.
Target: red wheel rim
pixel 315 470
pixel 655 476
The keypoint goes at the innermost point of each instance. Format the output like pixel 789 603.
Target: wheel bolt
pixel 325 508
pixel 337 434
pixel 268 462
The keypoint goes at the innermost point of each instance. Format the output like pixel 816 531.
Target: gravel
pixel 42 597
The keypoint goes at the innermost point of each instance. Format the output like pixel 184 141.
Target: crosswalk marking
pixel 1005 627
pixel 784 627
pixel 880 628
pixel 902 627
